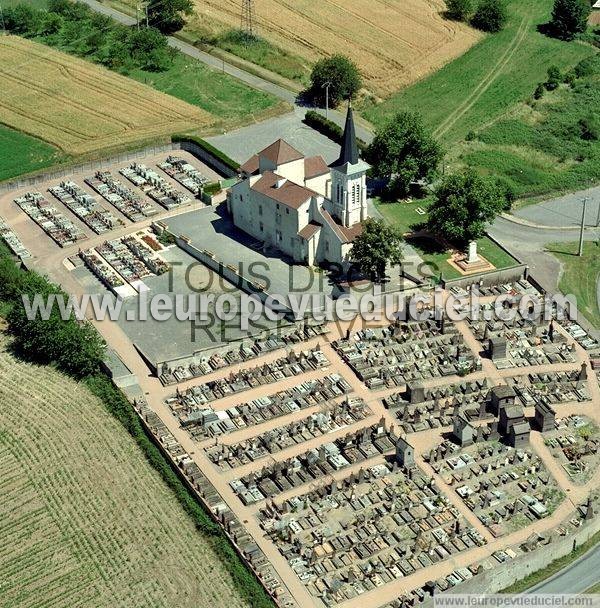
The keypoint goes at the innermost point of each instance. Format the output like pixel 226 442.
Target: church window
pixel 260 210
pixel 262 227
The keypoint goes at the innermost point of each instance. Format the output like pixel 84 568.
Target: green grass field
pixel 487 80
pixel 580 276
pixel 20 154
pixel 217 93
pixel 406 216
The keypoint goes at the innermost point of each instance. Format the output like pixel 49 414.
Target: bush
pixel 590 128
pixel 460 10
pixel 590 66
pixel 569 17
pixel 554 78
pixel 226 160
pixel 328 128
pixel 342 75
pixel 539 91
pixel 490 16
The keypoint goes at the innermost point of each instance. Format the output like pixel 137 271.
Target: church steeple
pixel 349 151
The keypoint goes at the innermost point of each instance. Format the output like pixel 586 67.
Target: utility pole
pixel 326 87
pixel 581 231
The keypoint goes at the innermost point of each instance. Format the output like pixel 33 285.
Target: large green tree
pixel 341 74
pixel 464 205
pixel 377 245
pixel 490 16
pixel 168 16
pixel 569 17
pixel 460 10
pixel 403 151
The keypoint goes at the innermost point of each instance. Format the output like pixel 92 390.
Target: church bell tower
pixel 349 179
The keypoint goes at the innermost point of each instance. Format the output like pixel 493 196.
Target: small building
pixel 501 397
pixel 545 417
pixel 463 431
pixel 405 453
pixel 518 435
pixel 509 416
pixel 497 348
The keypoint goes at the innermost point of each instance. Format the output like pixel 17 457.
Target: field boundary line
pixel 486 82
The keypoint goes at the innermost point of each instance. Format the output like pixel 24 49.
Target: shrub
pixel 226 160
pixel 554 78
pixel 539 91
pixel 460 10
pixel 490 16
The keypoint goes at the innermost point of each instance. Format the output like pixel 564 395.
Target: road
pixel 577 577
pixel 249 78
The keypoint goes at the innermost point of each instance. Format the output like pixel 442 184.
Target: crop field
pixel 394 42
pixel 84 520
pixel 80 107
pixel 489 79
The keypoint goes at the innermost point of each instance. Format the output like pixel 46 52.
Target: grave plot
pixel 293 364
pixel 394 355
pixel 131 205
pixel 419 408
pixel 125 262
pixel 184 173
pixel 374 527
pixel 85 207
pixel 313 465
pixel 329 418
pixel 12 240
pixel 58 227
pixel 582 337
pixel 575 443
pixel 522 343
pixel 205 422
pixel 247 351
pixel 155 186
pixel 552 388
pixel 506 488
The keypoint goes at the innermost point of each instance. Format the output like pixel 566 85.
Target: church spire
pixel 349 151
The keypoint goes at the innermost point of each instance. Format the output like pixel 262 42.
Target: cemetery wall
pixel 504 575
pixel 492 277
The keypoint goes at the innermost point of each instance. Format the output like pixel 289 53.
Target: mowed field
pixel 394 42
pixel 84 520
pixel 80 107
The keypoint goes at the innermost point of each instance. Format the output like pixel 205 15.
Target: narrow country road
pixel 223 66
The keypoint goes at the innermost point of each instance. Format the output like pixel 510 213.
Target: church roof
pixel 280 152
pixel 349 151
pixel 250 166
pixel 287 193
pixel 346 235
pixel 315 166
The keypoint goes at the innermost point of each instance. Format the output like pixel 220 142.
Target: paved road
pixel 250 79
pixel 578 577
pixel 565 210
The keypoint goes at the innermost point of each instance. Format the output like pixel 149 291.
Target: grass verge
pixel 558 564
pixel 580 276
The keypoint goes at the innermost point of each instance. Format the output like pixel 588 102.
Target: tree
pixel 464 205
pixel 404 152
pixel 376 246
pixel 168 16
pixel 554 78
pixel 490 16
pixel 569 17
pixel 149 49
pixel 460 10
pixel 342 75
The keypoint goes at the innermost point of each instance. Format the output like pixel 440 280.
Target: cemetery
pixel 184 173
pixel 574 441
pixel 372 527
pixel 58 227
pixel 392 356
pixel 330 417
pixel 85 207
pixel 14 243
pixel 247 350
pixel 506 488
pixel 155 186
pixel 130 204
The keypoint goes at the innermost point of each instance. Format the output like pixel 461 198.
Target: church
pixel 307 210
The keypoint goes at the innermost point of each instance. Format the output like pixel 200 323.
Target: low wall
pixel 491 277
pixel 205 156
pixel 504 575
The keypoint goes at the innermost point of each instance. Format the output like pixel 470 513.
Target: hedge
pixel 14 280
pixel 210 149
pixel 328 128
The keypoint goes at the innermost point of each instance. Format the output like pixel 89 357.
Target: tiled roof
pixel 309 230
pixel 346 235
pixel 315 166
pixel 280 152
pixel 250 166
pixel 290 194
